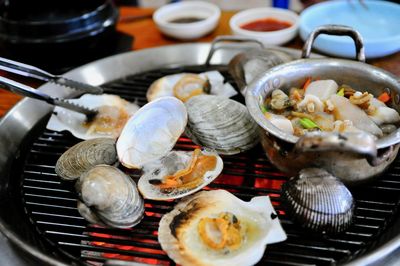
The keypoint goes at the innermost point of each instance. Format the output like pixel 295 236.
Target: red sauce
pixel 266 24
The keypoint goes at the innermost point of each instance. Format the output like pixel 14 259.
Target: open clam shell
pixel 84 156
pixel 151 132
pixel 216 228
pixel 221 124
pixel 199 176
pixel 318 201
pixel 110 196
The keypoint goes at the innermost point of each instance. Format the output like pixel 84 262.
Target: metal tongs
pixel 36 73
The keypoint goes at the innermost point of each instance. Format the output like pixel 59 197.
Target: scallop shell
pixel 318 201
pixel 179 236
pixel 244 67
pixel 111 196
pixel 168 165
pixel 84 156
pixel 113 107
pixel 152 132
pixel 221 124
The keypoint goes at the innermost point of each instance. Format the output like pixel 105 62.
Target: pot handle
pixel 339 30
pixel 360 143
pixel 222 39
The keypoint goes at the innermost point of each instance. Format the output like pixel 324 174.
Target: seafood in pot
pixel 216 228
pixel 186 85
pixel 221 124
pixel 318 201
pixel 109 196
pixel 324 105
pixel 179 174
pixel 85 155
pixel 245 66
pixel 113 113
pixel 151 132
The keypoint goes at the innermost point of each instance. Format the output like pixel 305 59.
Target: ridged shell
pixel 178 232
pixel 221 124
pixel 111 196
pixel 84 156
pixel 244 67
pixel 318 201
pixel 168 165
pixel 151 132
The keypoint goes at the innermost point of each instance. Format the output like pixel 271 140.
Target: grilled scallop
pixel 318 201
pixel 84 156
pixel 109 196
pixel 216 228
pixel 179 174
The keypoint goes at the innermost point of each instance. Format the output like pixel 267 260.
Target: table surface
pixel 137 22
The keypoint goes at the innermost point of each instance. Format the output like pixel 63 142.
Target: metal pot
pixel 354 158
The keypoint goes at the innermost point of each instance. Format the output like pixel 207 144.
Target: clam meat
pixel 85 155
pixel 110 196
pixel 221 124
pixel 186 85
pixel 318 201
pixel 113 112
pixel 245 66
pixel 151 132
pixel 216 228
pixel 179 174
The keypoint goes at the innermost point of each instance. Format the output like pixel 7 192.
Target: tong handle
pixel 27 91
pixel 37 73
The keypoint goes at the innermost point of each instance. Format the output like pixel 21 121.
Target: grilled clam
pixel 186 85
pixel 179 174
pixel 113 112
pixel 221 124
pixel 84 156
pixel 110 196
pixel 216 228
pixel 318 201
pixel 245 66
pixel 151 132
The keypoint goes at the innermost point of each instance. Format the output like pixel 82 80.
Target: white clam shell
pixel 168 165
pixel 221 124
pixel 151 132
pixel 64 119
pixel 179 237
pixel 111 196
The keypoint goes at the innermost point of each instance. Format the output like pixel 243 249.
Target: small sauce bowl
pixel 273 37
pixel 187 20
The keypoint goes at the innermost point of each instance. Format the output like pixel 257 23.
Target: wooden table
pixel 147 35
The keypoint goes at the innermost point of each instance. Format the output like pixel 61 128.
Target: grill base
pixel 50 203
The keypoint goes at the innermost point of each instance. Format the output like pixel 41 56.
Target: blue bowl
pixel 377 21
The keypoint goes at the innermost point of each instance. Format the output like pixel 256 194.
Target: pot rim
pixel 253 94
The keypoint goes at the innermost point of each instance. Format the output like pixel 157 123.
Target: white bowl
pixel 209 13
pixel 277 37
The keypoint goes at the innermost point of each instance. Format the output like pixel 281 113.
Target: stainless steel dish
pixel 354 159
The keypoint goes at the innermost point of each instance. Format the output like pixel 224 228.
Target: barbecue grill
pixel 38 210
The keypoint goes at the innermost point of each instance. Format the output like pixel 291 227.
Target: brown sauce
pixel 266 24
pixel 186 20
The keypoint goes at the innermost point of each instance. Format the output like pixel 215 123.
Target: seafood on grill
pixel 85 155
pixel 186 85
pixel 318 201
pixel 245 66
pixel 216 228
pixel 113 113
pixel 151 132
pixel 109 196
pixel 179 173
pixel 221 124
